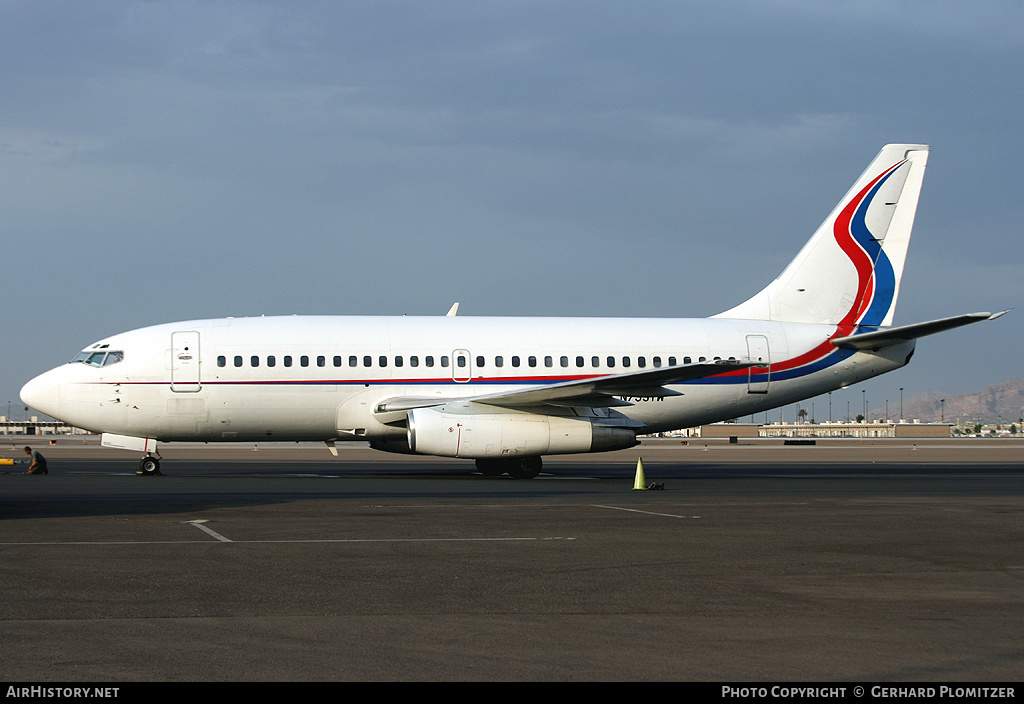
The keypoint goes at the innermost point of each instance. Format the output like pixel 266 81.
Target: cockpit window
pixel 102 358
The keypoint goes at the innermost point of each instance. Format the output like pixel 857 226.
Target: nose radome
pixel 42 394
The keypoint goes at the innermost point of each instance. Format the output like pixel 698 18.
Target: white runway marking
pixel 650 513
pixel 313 540
pixel 198 523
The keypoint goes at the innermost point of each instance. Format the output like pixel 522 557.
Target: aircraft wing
pixel 649 382
pixel 891 336
pixel 596 391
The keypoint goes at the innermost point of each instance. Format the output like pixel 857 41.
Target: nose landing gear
pixel 149 466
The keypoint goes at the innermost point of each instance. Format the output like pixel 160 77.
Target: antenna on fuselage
pixel 453 310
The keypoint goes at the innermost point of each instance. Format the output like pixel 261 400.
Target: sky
pixel 164 161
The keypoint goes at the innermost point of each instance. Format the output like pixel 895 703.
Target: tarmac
pixel 847 561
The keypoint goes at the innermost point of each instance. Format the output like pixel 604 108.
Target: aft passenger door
pixel 759 376
pixel 185 361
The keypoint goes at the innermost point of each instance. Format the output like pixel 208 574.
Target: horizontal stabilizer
pixel 892 336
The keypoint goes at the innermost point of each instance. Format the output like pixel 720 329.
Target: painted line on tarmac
pixel 313 540
pixel 411 540
pixel 198 523
pixel 649 513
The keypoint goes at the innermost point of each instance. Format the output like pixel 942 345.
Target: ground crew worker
pixel 38 465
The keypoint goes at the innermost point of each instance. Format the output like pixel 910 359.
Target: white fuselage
pixel 323 378
pixel 506 391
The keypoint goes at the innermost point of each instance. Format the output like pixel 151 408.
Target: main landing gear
pixel 149 466
pixel 515 467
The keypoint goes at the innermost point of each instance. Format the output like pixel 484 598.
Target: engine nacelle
pixel 509 434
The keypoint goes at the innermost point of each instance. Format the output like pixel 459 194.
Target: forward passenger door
pixel 185 361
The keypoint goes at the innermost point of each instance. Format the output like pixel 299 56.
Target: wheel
pixel 526 468
pixel 491 467
pixel 149 466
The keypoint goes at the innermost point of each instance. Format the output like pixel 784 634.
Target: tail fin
pixel 849 272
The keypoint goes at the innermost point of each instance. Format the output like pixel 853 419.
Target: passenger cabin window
pixel 222 361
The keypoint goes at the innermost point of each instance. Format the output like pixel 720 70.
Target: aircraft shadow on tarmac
pixel 85 488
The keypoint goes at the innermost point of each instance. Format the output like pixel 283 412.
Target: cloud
pixel 183 159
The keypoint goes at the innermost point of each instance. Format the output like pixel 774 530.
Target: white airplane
pixel 505 391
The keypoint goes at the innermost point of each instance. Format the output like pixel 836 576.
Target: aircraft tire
pixel 491 467
pixel 149 466
pixel 526 468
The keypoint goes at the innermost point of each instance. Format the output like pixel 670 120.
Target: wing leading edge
pixel 596 391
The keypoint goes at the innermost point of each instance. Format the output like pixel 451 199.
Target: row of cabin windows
pixel 321 361
pixel 460 361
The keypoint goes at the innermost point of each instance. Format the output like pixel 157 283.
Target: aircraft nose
pixel 42 394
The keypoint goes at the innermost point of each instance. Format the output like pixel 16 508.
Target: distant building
pixel 876 429
pixel 727 430
pixel 868 429
pixel 34 426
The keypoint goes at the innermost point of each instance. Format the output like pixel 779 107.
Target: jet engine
pixel 506 434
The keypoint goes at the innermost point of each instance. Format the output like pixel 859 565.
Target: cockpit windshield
pixel 99 358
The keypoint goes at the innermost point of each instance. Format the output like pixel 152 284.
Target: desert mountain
pixel 999 402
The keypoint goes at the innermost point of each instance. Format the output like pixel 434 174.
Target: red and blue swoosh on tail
pixel 876 288
pixel 876 285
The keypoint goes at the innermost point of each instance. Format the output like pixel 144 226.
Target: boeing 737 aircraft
pixel 505 391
